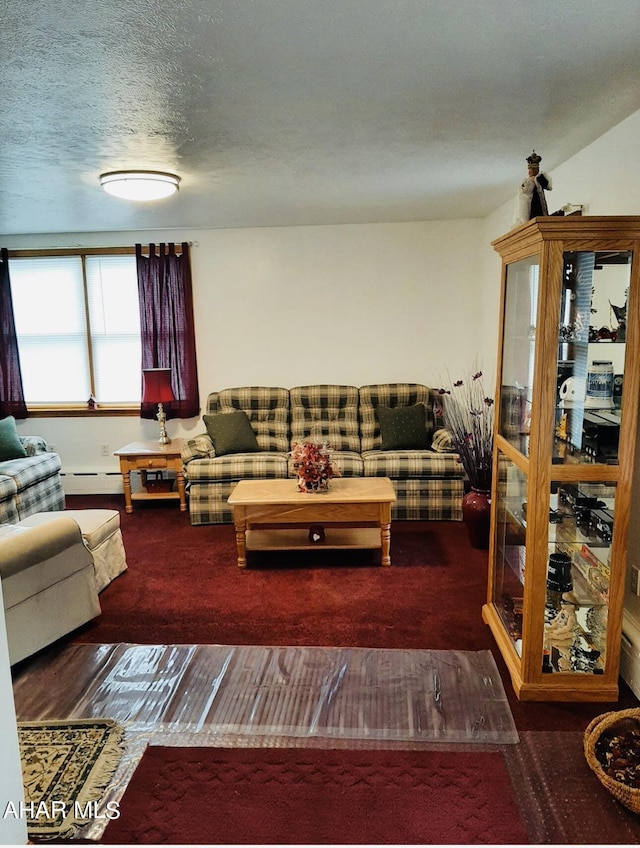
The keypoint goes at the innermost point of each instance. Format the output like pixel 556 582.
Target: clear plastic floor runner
pixel 333 693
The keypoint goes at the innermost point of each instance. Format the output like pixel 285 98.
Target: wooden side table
pixel 151 456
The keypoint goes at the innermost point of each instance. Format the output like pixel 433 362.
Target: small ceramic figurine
pixel 531 201
pixel 560 633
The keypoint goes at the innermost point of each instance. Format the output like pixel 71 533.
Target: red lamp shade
pixel 156 385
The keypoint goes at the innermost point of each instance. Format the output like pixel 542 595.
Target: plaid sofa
pixel 32 484
pixel 429 484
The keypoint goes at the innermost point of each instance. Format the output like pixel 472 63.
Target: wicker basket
pixel 611 723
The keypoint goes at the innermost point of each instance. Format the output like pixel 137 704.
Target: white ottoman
pixel 101 534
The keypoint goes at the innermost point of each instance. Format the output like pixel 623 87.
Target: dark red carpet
pixel 301 796
pixel 183 587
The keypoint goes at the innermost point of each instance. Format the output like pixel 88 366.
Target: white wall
pixel 287 306
pixel 344 304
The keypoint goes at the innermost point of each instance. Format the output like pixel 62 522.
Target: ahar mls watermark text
pixel 53 809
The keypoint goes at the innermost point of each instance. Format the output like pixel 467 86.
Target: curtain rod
pixel 77 249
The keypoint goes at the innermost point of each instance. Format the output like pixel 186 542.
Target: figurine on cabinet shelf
pixel 531 201
pixel 560 633
pixel 620 313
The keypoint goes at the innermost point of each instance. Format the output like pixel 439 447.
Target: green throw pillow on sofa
pixel 231 432
pixel 10 445
pixel 403 427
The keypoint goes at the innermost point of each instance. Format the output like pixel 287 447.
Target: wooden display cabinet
pixel 568 381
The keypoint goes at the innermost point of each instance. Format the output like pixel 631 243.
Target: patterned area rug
pixel 66 768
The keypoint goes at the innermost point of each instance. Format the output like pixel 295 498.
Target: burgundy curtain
pixel 11 393
pixel 167 325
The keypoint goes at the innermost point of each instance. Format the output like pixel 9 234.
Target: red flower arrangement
pixel 312 462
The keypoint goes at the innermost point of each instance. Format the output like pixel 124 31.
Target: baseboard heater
pixel 82 482
pixel 630 653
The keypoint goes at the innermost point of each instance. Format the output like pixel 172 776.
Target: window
pixel 78 325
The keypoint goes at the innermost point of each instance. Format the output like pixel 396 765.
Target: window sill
pixel 82 411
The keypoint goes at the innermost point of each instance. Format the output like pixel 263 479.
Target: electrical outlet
pixel 104 449
pixel 635 580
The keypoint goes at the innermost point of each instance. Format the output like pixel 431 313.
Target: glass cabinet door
pixel 591 354
pixel 510 559
pixel 578 576
pixel 518 351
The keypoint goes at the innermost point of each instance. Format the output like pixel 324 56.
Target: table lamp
pixel 156 388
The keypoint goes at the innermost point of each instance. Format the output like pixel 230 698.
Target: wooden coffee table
pixel 273 515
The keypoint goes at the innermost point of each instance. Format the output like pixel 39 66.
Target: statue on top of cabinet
pixel 531 201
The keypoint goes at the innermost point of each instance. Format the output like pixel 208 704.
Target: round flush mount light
pixel 140 185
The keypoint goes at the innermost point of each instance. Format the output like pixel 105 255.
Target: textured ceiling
pixel 284 112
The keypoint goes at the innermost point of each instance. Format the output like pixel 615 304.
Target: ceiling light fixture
pixel 140 185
